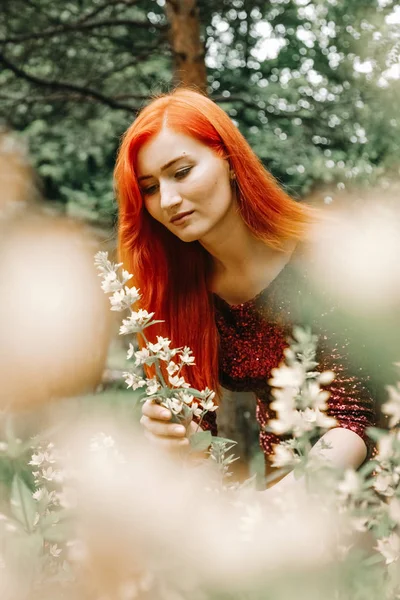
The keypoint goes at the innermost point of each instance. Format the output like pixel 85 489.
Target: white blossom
pixel 385 446
pixel 177 381
pixel 111 283
pixel 207 394
pixel 134 381
pixel 172 367
pixel 174 405
pixel 131 350
pixel 360 524
pixel 126 276
pixel 394 509
pixel 350 485
pixel 51 474
pixel 55 550
pixel 392 406
pixel 284 400
pixel 152 386
pixel 389 547
pixel 285 376
pixel 101 257
pixel 283 456
pixel 382 483
pixel 186 356
pixel 124 298
pixel 185 397
pixel 162 349
pixel 141 356
pixel 37 459
pixel 197 412
pixel 208 405
pixel 39 494
pixel 326 377
pixel 135 322
pixel 318 418
pixel 161 345
pixel 316 396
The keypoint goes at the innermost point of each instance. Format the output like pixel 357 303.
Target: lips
pixel 180 216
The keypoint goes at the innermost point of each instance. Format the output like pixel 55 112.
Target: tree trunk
pixel 186 44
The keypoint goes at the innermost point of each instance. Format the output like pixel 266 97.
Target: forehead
pixel 164 147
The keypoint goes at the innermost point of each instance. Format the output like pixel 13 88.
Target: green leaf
pixel 200 441
pixel 23 506
pixel 373 560
pixel 223 440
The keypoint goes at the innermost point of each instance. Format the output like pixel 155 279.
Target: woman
pixel 212 240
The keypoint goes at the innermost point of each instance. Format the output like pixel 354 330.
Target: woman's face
pixel 185 185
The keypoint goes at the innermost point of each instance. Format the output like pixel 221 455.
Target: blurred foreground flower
pixel 148 520
pixel 54 323
pixel 356 257
pixel 299 401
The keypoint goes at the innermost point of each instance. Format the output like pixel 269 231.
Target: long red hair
pixel 173 275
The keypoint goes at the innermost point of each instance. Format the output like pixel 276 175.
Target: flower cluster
pixel 52 495
pixel 168 386
pixel 369 497
pixel 299 401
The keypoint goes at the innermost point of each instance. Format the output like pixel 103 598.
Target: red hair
pixel 173 275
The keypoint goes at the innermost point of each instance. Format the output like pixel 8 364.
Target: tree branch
pixel 79 26
pixel 59 97
pixel 69 87
pixel 107 4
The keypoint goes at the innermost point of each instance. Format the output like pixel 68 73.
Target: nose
pixel 169 196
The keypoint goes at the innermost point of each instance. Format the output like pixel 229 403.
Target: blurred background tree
pixel 308 83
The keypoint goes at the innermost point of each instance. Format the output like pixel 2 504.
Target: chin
pixel 188 237
pixel 190 234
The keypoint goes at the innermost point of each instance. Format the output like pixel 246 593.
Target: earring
pixel 232 175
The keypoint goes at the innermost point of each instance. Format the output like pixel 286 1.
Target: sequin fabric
pixel 253 336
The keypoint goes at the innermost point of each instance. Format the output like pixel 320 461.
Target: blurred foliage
pixel 75 73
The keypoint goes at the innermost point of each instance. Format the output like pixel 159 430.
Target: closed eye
pixel 181 173
pixel 149 191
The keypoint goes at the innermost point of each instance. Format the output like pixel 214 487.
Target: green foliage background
pixel 75 73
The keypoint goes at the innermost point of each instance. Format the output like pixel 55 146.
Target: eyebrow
pixel 164 167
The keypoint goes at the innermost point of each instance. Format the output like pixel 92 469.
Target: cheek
pixel 209 187
pixel 151 205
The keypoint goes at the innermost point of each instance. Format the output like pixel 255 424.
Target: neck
pixel 234 248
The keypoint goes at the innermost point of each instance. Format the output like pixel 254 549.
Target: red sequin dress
pixel 254 334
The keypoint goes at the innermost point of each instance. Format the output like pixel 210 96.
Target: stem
pixel 200 421
pixel 156 364
pixel 16 470
pixel 23 507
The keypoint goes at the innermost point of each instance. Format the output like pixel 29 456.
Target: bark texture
pixel 186 44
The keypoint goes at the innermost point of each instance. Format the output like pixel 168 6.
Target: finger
pixel 155 411
pixel 166 443
pixel 163 429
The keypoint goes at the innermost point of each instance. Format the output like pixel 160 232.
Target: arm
pixel 347 450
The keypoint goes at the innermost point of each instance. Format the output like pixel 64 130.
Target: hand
pixel 159 429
